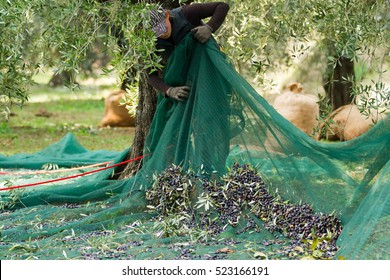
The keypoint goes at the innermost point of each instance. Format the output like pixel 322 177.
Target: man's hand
pixel 202 33
pixel 179 93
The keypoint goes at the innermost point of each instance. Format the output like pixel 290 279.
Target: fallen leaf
pixel 299 249
pixel 260 255
pixel 317 254
pixel 224 251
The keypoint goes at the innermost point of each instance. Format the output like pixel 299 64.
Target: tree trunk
pixel 337 87
pixel 61 79
pixel 147 100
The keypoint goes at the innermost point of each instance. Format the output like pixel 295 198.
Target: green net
pixel 206 144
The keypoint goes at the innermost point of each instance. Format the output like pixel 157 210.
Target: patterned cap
pixel 157 21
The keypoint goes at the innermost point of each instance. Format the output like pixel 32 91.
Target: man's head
pixel 159 20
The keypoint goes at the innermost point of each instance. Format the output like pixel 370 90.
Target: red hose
pixel 72 176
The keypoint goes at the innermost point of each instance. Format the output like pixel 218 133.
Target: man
pixel 170 28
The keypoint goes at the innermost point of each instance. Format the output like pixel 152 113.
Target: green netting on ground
pixel 224 121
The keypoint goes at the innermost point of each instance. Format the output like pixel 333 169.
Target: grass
pixel 78 112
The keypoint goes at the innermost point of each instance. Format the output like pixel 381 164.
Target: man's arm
pixel 196 12
pixel 156 82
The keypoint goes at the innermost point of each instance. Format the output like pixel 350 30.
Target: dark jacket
pixel 183 19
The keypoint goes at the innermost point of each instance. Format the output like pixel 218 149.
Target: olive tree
pixel 60 34
pixel 264 34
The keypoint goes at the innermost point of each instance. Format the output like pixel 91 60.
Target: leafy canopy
pixel 264 34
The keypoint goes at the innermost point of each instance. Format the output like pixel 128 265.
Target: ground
pixel 53 112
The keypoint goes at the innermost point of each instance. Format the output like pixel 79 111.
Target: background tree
pixel 270 34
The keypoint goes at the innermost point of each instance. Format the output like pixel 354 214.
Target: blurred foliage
pixel 269 33
pixel 264 34
pixel 16 69
pixel 62 34
pixel 310 37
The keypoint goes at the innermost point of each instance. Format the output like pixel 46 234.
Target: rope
pixel 72 176
pixel 55 171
